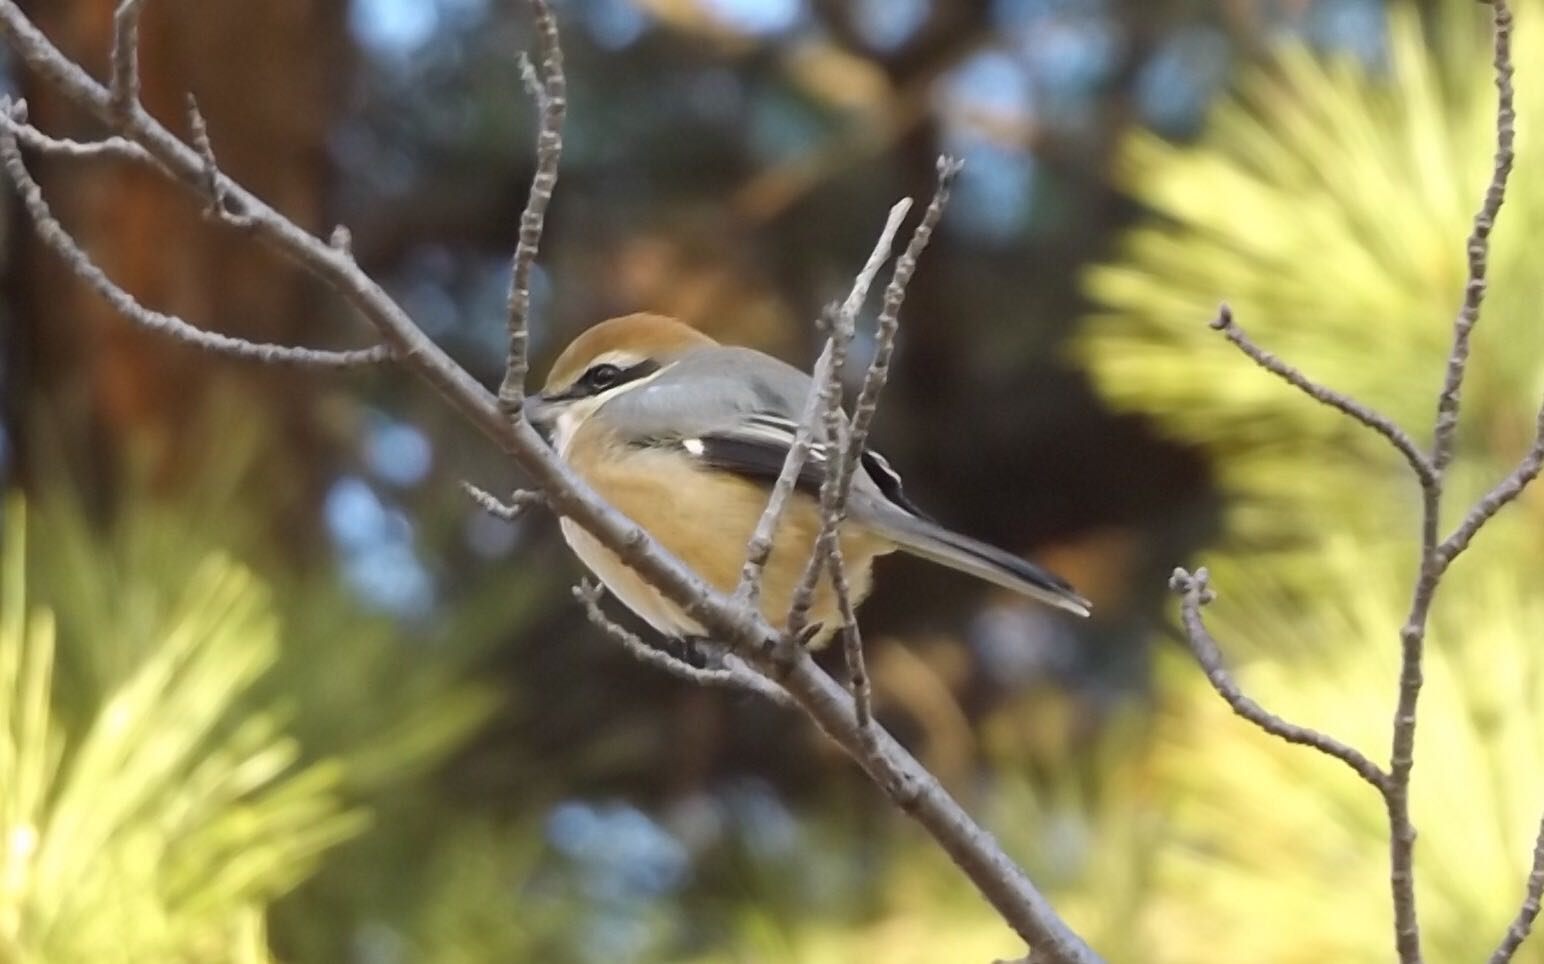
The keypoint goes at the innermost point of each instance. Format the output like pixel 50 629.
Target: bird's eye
pixel 602 377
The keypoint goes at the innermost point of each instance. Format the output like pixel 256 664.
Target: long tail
pixel 937 544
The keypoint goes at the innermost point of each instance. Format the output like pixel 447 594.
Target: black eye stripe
pixel 605 377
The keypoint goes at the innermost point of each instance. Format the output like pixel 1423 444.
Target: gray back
pixel 708 390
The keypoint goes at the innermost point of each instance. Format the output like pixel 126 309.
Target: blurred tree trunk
pixel 88 386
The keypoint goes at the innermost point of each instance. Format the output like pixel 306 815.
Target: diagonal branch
pixel 1344 404
pixel 733 674
pixel 79 262
pixel 1499 496
pixel 552 104
pixel 910 787
pixel 1195 593
pixel 1523 922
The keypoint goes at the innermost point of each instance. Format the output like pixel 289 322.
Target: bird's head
pixel 605 360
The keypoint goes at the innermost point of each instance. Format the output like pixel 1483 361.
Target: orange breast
pixel 705 518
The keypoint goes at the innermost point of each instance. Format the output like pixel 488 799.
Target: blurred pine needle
pixel 159 828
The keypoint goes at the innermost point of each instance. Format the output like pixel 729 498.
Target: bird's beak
pixel 541 412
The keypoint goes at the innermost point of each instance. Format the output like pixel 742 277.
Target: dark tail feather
pixel 937 544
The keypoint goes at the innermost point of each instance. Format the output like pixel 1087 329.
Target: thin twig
pixel 1195 593
pixel 852 641
pixel 215 204
pixel 1523 922
pixel 858 293
pixel 125 58
pixel 114 148
pixel 733 673
pixel 509 510
pixel 1477 249
pixel 1500 495
pixel 826 367
pixel 759 549
pixel 847 440
pixel 831 438
pixel 890 322
pixel 1344 404
pixel 552 105
pixel 79 262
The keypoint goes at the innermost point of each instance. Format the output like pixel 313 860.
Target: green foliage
pixel 374 706
pixel 1277 853
pixel 1328 205
pixel 158 826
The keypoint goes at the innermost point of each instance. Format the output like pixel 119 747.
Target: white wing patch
pixel 780 431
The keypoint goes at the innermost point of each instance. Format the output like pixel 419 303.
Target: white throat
pixel 574 415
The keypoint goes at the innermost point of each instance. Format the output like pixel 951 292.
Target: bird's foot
pixel 691 650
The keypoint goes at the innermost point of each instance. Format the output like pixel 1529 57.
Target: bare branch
pixel 759 549
pixel 733 673
pixel 113 148
pixel 832 433
pixel 827 369
pixel 552 104
pixel 1436 556
pixel 847 440
pixel 852 641
pixel 56 237
pixel 519 501
pixel 1195 593
pixel 1478 247
pixel 125 58
pixel 215 205
pixel 1500 495
pixel 1523 922
pixel 890 321
pixel 858 294
pixel 841 325
pixel 1344 404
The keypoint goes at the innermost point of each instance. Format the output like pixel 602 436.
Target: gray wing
pixel 737 410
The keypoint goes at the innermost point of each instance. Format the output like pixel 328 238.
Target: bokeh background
pixel 271 689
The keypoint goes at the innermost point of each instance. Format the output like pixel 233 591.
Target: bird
pixel 686 436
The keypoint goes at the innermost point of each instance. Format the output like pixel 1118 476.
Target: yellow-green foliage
pixel 1328 204
pixel 1276 853
pixel 158 828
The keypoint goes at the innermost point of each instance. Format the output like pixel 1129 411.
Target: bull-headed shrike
pixel 685 436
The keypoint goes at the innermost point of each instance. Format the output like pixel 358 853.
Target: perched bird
pixel 686 436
